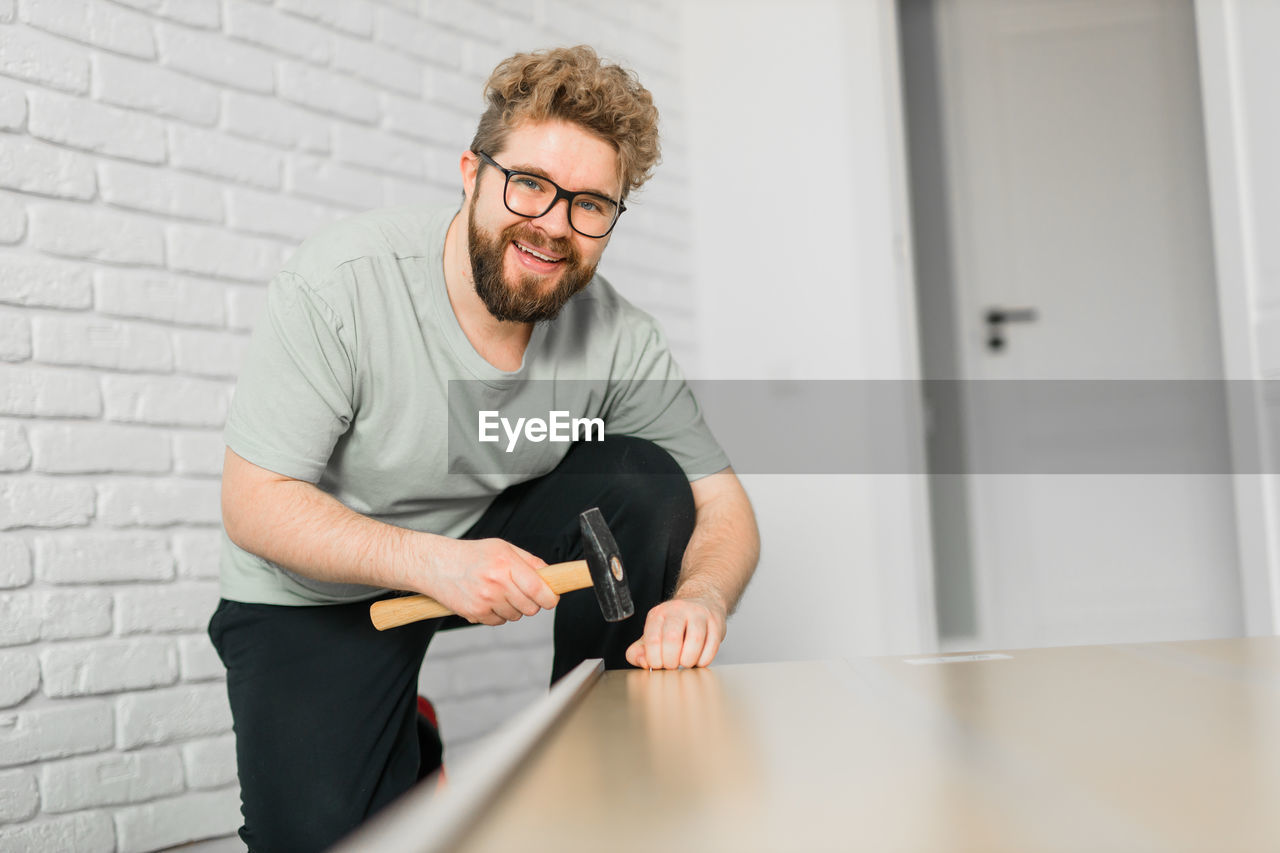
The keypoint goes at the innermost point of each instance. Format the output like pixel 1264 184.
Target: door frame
pixel 1230 178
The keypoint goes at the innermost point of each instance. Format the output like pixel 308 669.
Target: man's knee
pixel 647 475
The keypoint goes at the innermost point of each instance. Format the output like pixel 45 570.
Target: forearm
pixel 723 550
pixel 304 529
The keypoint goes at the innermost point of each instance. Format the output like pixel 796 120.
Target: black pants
pixel 323 704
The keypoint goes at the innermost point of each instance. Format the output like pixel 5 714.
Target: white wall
pixel 801 267
pixel 157 162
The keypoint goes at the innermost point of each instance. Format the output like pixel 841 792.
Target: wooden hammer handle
pixel 393 612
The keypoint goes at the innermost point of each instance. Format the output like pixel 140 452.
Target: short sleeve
pixel 648 398
pixel 295 395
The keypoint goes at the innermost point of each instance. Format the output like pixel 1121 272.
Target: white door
pixel 1076 187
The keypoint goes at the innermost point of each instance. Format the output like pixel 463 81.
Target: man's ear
pixel 469 167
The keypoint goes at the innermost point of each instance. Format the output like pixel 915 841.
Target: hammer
pixel 601 569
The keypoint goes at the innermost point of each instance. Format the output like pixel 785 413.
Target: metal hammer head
pixel 605 563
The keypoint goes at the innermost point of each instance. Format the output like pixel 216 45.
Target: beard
pixel 524 301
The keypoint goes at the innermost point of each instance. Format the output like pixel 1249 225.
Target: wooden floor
pixel 1151 747
pixel 1162 747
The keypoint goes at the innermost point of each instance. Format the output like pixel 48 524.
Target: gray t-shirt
pixel 360 379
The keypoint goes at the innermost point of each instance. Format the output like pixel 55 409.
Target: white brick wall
pixel 158 161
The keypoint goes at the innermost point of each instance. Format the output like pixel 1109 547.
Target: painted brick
pixel 13 106
pixel 328 92
pixel 378 150
pixel 427 121
pixel 107 666
pixel 158 191
pixel 462 92
pixel 15 562
pixel 522 34
pixel 352 16
pixel 274 122
pixel 197 13
pixel 480 58
pixel 328 181
pixel 96 233
pixel 35 281
pixel 476 21
pixel 94 22
pixel 87 832
pixel 222 156
pixel 277 215
pixel 15 345
pixel 53 393
pixel 159 296
pixel 97 448
pixel 210 353
pixel 98 342
pixel 197 658
pixel 198 554
pixel 171 713
pixel 108 780
pixel 43 59
pixel 165 609
pixel 198 453
pixel 154 89
pixel 73 614
pixel 520 9
pixel 19 798
pixel 244 306
pixel 53 615
pixel 19 618
pixel 210 762
pixel 213 57
pixel 158 502
pixel 95 558
pixel 214 252
pixel 102 129
pixel 54 731
pixel 374 64
pixel 44 503
pixel 400 192
pixel 442 166
pixel 417 37
pixel 169 401
pixel 30 166
pixel 178 820
pixel 13 215
pixel 21 677
pixel 280 33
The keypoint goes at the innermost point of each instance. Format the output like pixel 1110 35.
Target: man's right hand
pixel 486 580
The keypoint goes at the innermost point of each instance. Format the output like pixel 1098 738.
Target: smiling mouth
pixel 535 253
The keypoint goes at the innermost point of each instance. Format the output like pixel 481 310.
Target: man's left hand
pixel 682 632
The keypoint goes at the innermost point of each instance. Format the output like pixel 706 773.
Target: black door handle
pixel 997 317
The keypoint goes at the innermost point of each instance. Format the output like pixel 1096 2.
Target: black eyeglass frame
pixel 561 192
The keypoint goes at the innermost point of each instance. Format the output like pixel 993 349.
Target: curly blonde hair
pixel 573 84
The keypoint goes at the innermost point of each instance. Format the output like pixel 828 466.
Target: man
pixel 354 468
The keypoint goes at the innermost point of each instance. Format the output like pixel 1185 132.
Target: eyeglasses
pixel 526 194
